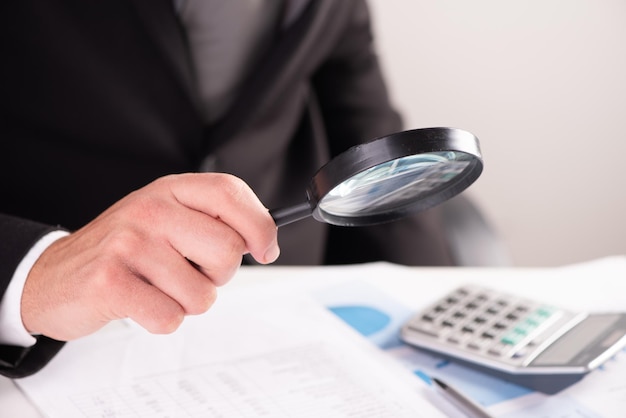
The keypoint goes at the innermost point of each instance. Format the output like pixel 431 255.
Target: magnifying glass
pixel 389 178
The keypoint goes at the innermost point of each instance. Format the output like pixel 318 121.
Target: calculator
pixel 534 344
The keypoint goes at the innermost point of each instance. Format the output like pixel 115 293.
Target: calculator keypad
pixel 487 322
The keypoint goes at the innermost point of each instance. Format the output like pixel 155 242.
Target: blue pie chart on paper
pixel 366 320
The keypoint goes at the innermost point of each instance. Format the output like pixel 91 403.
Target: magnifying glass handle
pixel 284 216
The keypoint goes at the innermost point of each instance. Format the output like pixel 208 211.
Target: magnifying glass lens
pixel 390 185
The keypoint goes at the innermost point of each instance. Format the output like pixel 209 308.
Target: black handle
pixel 284 216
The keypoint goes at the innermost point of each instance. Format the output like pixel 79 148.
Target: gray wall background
pixel 543 85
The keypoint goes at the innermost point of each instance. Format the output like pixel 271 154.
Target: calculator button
pixel 458 338
pixel 522 352
pixel 428 318
pixel 536 342
pixel 512 317
pixel 520 331
pixel 539 316
pixel 499 350
pixel 467 329
pixel 459 315
pixel 478 343
pixel 488 335
pixel 454 339
pixel 527 327
pixel 462 292
pixel 474 346
pixel 428 329
pixel 532 322
pixel 544 312
pixel 511 338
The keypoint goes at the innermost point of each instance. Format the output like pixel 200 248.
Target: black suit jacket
pixel 99 98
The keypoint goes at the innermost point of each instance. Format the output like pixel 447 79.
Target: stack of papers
pixel 251 355
pixel 322 342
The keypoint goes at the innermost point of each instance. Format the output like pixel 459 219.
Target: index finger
pixel 230 199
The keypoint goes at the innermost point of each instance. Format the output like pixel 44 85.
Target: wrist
pixel 12 329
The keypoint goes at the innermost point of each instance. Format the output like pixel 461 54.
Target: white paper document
pixel 250 356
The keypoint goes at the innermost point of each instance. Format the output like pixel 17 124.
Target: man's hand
pixel 156 255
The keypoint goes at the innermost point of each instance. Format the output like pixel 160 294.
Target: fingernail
pixel 272 253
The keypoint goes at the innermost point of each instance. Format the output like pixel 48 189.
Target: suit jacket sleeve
pixel 18 236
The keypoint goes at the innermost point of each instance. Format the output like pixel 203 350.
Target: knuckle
pixel 166 180
pixel 122 243
pixel 202 300
pixel 235 189
pixel 108 275
pixel 166 324
pixel 148 207
pixel 227 269
pixel 113 279
pixel 108 283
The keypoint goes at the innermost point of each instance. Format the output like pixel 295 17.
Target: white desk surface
pixel 594 285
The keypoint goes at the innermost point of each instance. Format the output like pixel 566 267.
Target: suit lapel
pixel 163 27
pixel 292 10
pixel 274 72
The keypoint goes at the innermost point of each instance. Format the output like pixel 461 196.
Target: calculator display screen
pixel 579 345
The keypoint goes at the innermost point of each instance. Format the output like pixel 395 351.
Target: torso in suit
pixel 99 98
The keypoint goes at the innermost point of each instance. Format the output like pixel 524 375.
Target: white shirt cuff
pixel 12 330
